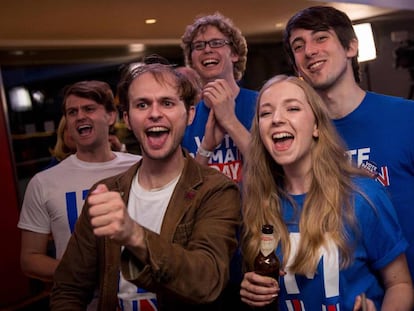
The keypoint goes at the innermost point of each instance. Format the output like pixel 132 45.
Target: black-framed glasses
pixel 213 43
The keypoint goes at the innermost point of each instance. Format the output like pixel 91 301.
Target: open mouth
pixel 157 136
pixel 315 66
pixel 282 141
pixel 210 62
pixel 157 131
pixel 281 137
pixel 84 130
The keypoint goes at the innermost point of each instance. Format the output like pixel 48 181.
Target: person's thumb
pixel 100 189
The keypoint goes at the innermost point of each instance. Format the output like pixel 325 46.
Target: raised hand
pixel 109 217
pixel 214 133
pixel 221 99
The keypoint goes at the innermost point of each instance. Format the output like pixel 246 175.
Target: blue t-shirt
pixel 380 137
pixel 227 157
pixel 379 241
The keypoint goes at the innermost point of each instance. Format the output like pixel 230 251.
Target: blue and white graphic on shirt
pixel 379 135
pixel 331 288
pixel 329 279
pixel 72 208
pixel 133 298
pixel 146 207
pixel 227 157
pixel 361 159
pixel 54 197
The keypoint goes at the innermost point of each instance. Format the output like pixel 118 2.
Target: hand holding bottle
pixel 258 290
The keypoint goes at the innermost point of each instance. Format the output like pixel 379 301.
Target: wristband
pixel 204 153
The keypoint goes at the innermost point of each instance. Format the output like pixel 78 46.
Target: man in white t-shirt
pixel 54 197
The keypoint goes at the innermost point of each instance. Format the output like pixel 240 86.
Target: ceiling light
pixel 150 21
pixel 136 47
pixel 279 25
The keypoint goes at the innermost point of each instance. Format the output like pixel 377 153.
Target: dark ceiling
pixel 50 31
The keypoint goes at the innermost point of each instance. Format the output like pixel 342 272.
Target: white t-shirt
pixel 54 198
pixel 146 207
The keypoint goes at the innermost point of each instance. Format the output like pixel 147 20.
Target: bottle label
pixel 267 244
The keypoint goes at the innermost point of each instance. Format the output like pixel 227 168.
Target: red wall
pixel 14 285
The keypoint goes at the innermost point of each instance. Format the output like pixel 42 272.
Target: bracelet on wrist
pixel 204 153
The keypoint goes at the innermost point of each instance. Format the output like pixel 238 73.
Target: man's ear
pixel 126 119
pixel 112 117
pixel 353 48
pixel 234 57
pixel 191 115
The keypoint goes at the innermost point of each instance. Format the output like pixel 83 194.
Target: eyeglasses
pixel 213 43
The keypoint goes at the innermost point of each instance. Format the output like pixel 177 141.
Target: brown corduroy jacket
pixel 189 260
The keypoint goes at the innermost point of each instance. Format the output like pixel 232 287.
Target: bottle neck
pixel 267 244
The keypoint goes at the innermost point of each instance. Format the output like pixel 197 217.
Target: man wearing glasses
pixel 219 135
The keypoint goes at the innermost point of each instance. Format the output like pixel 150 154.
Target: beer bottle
pixel 266 262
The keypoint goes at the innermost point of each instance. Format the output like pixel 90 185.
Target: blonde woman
pixel 65 145
pixel 339 238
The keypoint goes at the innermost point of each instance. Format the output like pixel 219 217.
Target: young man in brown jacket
pixel 162 233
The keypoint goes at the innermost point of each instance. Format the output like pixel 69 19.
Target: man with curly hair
pixel 219 135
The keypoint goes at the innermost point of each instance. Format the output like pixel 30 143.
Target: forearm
pixel 202 160
pixel 184 272
pixel 39 266
pixel 399 298
pixel 136 243
pixel 205 151
pixel 240 135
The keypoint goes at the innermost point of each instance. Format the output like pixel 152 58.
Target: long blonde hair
pixel 328 207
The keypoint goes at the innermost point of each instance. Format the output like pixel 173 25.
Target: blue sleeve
pixel 381 233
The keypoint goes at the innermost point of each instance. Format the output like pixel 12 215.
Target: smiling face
pixel 287 125
pixel 157 116
pixel 213 63
pixel 87 122
pixel 320 58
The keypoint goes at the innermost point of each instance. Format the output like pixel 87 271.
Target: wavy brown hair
pixel 328 208
pixel 186 88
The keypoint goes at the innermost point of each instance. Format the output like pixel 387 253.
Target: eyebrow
pixel 264 105
pixel 313 32
pixel 82 106
pixel 162 98
pixel 284 102
pixel 296 40
pixel 292 99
